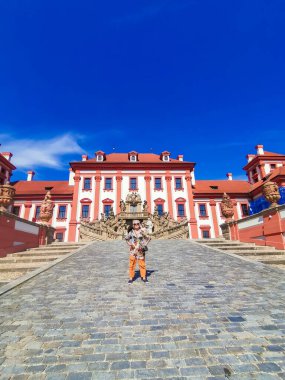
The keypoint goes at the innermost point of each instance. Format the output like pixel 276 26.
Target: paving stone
pixel 201 312
pixel 269 367
pixel 120 365
pixel 79 376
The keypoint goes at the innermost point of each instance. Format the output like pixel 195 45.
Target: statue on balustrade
pixel 145 206
pixel 7 193
pixel 122 206
pixel 46 209
pixel 227 207
pixel 271 193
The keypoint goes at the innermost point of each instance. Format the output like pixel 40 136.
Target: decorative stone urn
pixel 271 193
pixel 46 210
pixel 227 207
pixel 7 193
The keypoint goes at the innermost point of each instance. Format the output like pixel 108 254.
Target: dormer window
pixel 100 156
pixel 165 156
pixel 133 156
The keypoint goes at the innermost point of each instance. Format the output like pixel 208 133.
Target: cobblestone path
pixel 203 315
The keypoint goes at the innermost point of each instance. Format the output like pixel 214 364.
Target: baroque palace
pixel 106 192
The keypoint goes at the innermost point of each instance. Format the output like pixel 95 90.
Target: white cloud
pixel 31 153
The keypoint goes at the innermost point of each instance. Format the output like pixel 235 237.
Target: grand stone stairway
pixel 263 254
pixel 203 315
pixel 17 264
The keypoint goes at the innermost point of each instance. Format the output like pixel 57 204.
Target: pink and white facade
pixel 98 183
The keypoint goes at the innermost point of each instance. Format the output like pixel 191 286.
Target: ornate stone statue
pixel 149 226
pixel 122 206
pixel 46 209
pixel 7 193
pixel 111 213
pixel 155 212
pixel 227 207
pixel 271 193
pixel 133 198
pixel 145 206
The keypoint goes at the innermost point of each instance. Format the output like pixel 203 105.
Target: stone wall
pixel 17 234
pixel 267 228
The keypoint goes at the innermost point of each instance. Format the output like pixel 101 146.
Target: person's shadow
pixel 148 274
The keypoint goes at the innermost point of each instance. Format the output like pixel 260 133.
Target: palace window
pixel 181 209
pixel 133 158
pixel 202 209
pixel 87 184
pixel 107 209
pixel 160 209
pixel 59 236
pixel 165 158
pixel 108 184
pixel 16 210
pixel 178 183
pixel 85 211
pixel 272 167
pixel 100 155
pixel 244 209
pixel 62 212
pixel 157 184
pixel 205 234
pixel 133 183
pixel 37 212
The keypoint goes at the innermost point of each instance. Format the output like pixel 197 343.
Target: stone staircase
pixel 263 254
pixel 17 264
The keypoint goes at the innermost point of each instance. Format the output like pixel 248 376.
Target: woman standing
pixel 137 240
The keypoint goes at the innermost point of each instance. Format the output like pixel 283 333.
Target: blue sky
pixel 203 78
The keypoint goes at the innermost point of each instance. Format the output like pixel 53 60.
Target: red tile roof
pixel 266 153
pixel 221 186
pixel 142 158
pixel 38 187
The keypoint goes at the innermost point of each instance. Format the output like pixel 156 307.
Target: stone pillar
pixel 236 217
pixel 168 179
pixel 262 170
pixel 147 179
pixel 273 229
pixel 214 217
pixel 98 180
pixel 193 220
pixel 73 219
pixel 119 179
pixel 28 206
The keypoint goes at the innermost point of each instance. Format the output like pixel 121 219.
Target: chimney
pixel 84 157
pixel 180 157
pixel 259 149
pixel 7 155
pixel 250 157
pixel 230 176
pixel 30 175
